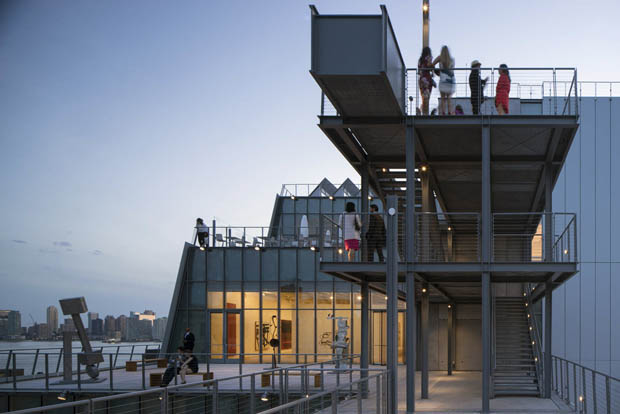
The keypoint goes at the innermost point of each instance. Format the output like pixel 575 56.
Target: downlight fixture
pixel 63 396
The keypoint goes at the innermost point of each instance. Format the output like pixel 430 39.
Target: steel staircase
pixel 515 371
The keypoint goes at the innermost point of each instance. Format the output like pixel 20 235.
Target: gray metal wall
pixel 586 309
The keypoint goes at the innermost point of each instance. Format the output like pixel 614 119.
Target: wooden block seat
pixel 265 378
pixel 132 366
pixel 155 378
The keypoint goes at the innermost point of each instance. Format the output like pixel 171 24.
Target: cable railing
pixel 313 190
pixel 584 389
pixel 475 92
pixel 304 388
pixel 535 336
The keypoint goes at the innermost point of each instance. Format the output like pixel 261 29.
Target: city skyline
pixel 113 142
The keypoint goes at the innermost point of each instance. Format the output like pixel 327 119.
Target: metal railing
pixel 446 237
pixel 520 237
pixel 584 389
pixel 556 88
pixel 535 337
pixel 38 362
pixel 306 190
pixel 307 388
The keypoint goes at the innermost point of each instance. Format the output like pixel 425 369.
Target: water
pixel 26 354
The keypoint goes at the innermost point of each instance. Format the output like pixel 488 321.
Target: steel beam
pixel 547 341
pixel 450 335
pixel 392 315
pixel 410 334
pixel 424 311
pixel 365 337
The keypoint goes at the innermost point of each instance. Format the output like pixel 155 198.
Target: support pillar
pixel 548 234
pixel 547 341
pixel 486 225
pixel 427 218
pixel 450 336
pixel 365 209
pixel 365 338
pixel 424 342
pixel 548 225
pixel 392 316
pixel 67 368
pixel 410 333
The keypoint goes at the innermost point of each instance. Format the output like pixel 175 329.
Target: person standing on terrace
pixel 447 82
pixel 202 231
pixel 476 85
pixel 351 226
pixel 502 90
pixel 426 82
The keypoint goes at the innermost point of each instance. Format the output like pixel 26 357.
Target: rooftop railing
pixel 306 190
pixel 440 237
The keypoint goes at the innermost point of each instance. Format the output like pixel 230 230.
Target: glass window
pixel 233 264
pixel 233 295
pixel 251 336
pixel 324 277
pixel 288 264
pixel 324 335
pixel 197 294
pixel 197 325
pixel 378 300
pixel 215 295
pixel 287 296
pixel 178 330
pixel 326 206
pixel 301 205
pixel 288 205
pixel 342 295
pixel 306 321
pixel 288 334
pixel 198 267
pixel 251 265
pixel 288 225
pixel 357 296
pixel 215 264
pixel 251 295
pixel 270 299
pixel 270 265
pixel 338 206
pixel 306 259
pixel 270 324
pixel 356 332
pixel 314 206
pixel 306 295
pixel 216 335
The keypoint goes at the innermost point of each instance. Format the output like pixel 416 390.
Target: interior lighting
pixel 533 342
pixel 264 397
pixel 449 306
pixel 370 197
pixel 526 305
pixel 530 328
pixel 523 293
pixel 339 251
pixel 331 197
pixel 535 359
pixel 581 398
pixel 528 315
pixel 424 168
pixel 331 298
pixel 359 297
pixel 63 396
pixel 449 228
pixel 565 251
pixel 425 7
pixel 423 290
pixel 383 169
pixel 312 248
pixel 386 298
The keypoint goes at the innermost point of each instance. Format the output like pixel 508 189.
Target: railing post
pixel 359 397
pixel 575 387
pixel 608 394
pixel 594 404
pixel 335 402
pixel 584 389
pixel 14 371
pixel 116 356
pixel 34 364
pixel 214 401
pixel 8 361
pixel 79 374
pixel 164 401
pixel 59 360
pixel 252 394
pixel 47 373
pixel 378 397
pixel 111 373
pixel 143 374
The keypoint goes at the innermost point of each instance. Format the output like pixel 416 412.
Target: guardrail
pixel 306 190
pixel 556 88
pixel 535 337
pixel 266 391
pixel 584 389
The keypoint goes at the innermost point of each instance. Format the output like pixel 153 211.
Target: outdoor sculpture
pixel 74 307
pixel 341 341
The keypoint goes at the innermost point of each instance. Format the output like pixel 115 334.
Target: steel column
pixel 486 258
pixel 365 193
pixel 548 233
pixel 547 341
pixel 424 342
pixel 410 334
pixel 392 316
pixel 450 334
pixel 365 337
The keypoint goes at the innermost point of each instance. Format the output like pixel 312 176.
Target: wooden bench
pixel 133 365
pixel 265 379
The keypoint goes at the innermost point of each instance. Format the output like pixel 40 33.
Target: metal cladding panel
pixel 347 45
pixel 395 66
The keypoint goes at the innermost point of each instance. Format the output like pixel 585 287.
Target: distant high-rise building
pixel 121 326
pixel 109 325
pixel 92 316
pixel 42 331
pixel 96 327
pixel 139 329
pixel 10 323
pixel 52 318
pixel 159 328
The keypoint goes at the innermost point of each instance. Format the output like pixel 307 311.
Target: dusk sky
pixel 122 121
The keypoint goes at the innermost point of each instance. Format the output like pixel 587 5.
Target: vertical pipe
pixel 547 340
pixel 410 335
pixel 486 276
pixel 424 311
pixel 392 321
pixel 364 338
pixel 450 333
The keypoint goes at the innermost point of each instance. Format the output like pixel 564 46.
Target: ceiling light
pixel 292 197
pixel 383 169
pixel 449 228
pixel 424 168
pixel 264 397
pixel 202 248
pixel 425 7
pixel 331 197
pixel 312 248
pixel 63 396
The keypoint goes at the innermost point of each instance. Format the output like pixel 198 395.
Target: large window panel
pixel 215 295
pixel 270 324
pixel 342 295
pixel 288 264
pixel 270 265
pixel 288 205
pixel 306 264
pixel 288 335
pixel 324 295
pixel 251 335
pixel 233 264
pixel 251 295
pixel 270 296
pixel 233 295
pixel 251 265
pixel 198 267
pixel 197 324
pixel 288 297
pixel 197 294
pixel 301 206
pixel 215 264
pixel 324 335
pixel 314 206
pixel 178 330
pixel 306 322
pixel 306 295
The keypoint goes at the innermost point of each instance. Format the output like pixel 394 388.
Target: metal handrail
pixel 535 337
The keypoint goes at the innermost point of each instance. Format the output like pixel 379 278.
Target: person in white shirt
pixel 202 232
pixel 351 226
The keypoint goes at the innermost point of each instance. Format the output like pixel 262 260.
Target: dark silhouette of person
pixel 375 236
pixel 188 340
pixel 476 85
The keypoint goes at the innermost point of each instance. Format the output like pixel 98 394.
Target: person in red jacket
pixel 503 90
